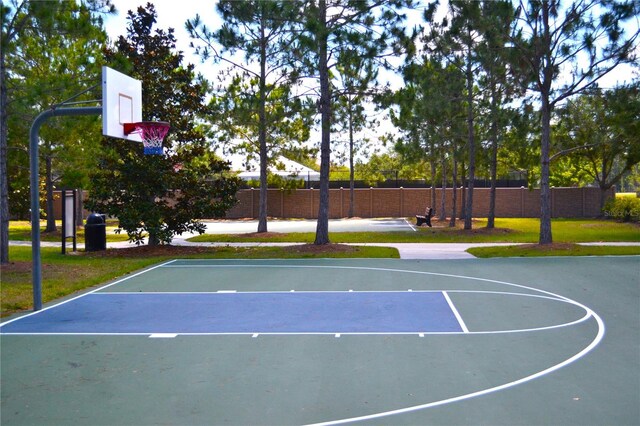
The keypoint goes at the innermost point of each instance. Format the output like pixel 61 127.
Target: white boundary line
pixel 410 225
pixel 89 292
pixel 463 326
pixel 281 292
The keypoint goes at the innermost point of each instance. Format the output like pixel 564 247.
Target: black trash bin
pixel 95 233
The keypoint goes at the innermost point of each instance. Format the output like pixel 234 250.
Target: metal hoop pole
pixel 34 139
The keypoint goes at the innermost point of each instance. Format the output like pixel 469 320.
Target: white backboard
pixel 121 103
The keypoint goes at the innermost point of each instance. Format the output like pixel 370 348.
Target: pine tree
pixel 564 50
pixel 263 31
pixel 332 26
pixel 47 50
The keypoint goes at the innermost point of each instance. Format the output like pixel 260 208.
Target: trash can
pixel 95 233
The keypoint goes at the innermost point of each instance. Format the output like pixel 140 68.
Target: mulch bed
pixel 177 251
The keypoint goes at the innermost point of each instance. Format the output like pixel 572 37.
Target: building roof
pixel 249 168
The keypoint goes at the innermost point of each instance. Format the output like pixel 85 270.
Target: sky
pixel 171 14
pixel 174 14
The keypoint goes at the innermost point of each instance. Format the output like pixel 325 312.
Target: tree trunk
pixel 494 160
pixel 463 201
pixel 443 196
pixel 468 213
pixel 153 239
pixel 322 227
pixel 545 190
pixel 51 220
pixel 433 185
pixel 262 113
pixel 603 197
pixel 492 192
pixel 351 171
pixel 545 140
pixel 4 183
pixel 454 197
pixel 79 207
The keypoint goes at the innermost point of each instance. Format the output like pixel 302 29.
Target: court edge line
pixel 410 225
pixel 596 341
pixel 463 326
pixel 218 292
pixel 391 245
pixel 89 292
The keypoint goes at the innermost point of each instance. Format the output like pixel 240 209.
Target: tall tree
pixel 331 26
pixel 566 49
pixel 27 23
pixel 430 113
pixel 161 195
pixel 601 132
pixel 355 76
pixel 457 38
pixel 53 65
pixel 262 30
pixel 496 82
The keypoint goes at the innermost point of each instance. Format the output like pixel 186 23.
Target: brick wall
pixel 398 202
pixel 386 202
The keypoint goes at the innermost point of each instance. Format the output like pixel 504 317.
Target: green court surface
pixel 540 341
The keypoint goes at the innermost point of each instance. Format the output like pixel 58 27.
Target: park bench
pixel 426 219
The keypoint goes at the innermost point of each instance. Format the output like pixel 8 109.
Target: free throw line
pixel 463 326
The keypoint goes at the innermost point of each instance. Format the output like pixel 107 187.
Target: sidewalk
pixel 406 250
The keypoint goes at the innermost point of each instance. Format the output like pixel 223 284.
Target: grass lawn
pixel 507 230
pixel 63 275
pixel 536 250
pixel 20 230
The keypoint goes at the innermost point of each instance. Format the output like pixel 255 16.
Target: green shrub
pixel 626 209
pixel 277 181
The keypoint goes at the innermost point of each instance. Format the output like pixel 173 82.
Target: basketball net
pixel 152 134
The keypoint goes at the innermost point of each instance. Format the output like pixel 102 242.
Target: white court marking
pixel 410 225
pixel 463 326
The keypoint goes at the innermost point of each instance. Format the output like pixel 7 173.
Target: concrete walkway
pixel 406 250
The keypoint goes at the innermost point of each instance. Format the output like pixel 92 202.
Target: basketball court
pixel 264 342
pixel 279 342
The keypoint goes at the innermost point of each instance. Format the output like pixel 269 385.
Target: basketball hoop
pixel 152 133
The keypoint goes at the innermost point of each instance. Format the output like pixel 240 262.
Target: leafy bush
pixel 626 209
pixel 277 181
